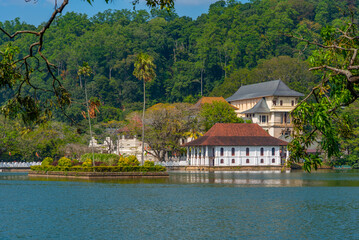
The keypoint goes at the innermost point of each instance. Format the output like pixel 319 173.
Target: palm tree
pixel 86 71
pixel 145 71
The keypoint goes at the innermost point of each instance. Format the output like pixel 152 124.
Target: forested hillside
pixel 233 44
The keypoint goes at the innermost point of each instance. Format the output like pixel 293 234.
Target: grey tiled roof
pixel 264 89
pixel 260 107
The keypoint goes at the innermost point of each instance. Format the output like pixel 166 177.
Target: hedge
pixel 109 158
pixel 156 168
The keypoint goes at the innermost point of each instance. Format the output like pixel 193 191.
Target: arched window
pixel 247 151
pixel 262 151
pixel 247 160
pixel 222 161
pixel 222 151
pixel 273 151
pixel 273 160
pixel 262 161
pixel 233 152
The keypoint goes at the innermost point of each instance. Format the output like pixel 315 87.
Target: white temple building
pixel 236 144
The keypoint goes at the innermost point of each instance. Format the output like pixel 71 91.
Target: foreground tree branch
pixel 321 121
pixel 16 70
pixel 29 107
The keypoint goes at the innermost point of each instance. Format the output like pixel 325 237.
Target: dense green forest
pixel 233 44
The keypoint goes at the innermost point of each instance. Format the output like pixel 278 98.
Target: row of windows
pixel 247 161
pixel 281 103
pixel 247 151
pixel 233 151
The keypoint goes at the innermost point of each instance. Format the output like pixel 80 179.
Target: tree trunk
pixel 143 121
pixel 88 115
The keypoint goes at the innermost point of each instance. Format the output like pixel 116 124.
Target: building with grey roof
pixel 268 104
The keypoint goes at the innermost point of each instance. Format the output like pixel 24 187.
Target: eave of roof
pixel 236 141
pixel 236 134
pixel 260 107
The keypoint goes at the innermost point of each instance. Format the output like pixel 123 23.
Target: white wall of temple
pixel 239 156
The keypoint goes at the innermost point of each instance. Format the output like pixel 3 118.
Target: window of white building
pixel 263 118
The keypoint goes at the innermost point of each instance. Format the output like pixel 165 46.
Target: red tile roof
pixel 210 100
pixel 236 134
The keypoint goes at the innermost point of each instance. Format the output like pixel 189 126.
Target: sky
pixel 38 11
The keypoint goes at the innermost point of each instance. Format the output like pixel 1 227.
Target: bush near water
pixel 109 163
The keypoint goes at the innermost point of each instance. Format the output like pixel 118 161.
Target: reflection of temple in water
pixel 243 178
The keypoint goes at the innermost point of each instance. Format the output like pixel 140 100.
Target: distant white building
pixel 130 145
pixel 268 104
pixel 124 145
pixel 236 144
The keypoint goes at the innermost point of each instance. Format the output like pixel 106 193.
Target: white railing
pixel 173 163
pixel 18 164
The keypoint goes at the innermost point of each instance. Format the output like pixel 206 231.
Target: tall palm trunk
pixel 143 122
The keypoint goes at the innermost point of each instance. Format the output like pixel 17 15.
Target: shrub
pixel 64 162
pixel 75 162
pixel 87 163
pixel 47 161
pixel 149 164
pixel 128 161
pixel 108 159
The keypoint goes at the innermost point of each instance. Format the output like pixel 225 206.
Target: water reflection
pixel 234 178
pixel 269 178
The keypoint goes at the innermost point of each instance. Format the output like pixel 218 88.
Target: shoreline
pixel 228 168
pixel 95 175
pixel 23 170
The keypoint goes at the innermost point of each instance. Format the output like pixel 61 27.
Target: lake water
pixel 188 205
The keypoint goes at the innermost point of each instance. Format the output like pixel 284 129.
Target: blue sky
pixel 35 13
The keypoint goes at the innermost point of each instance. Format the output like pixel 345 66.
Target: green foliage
pixel 128 161
pixel 320 120
pixel 218 112
pixel 149 164
pixel 47 161
pixel 64 162
pixel 232 45
pixel 109 159
pixel 87 162
pixel 128 168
